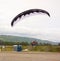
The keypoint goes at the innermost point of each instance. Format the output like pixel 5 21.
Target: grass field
pixel 36 48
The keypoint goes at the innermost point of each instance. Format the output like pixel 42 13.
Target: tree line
pixel 24 43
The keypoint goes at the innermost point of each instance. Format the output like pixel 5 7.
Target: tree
pixel 24 43
pixel 34 43
pixel 1 43
pixel 59 44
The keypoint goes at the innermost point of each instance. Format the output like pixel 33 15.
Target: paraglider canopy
pixel 28 12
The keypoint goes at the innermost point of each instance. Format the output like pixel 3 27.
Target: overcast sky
pixel 38 26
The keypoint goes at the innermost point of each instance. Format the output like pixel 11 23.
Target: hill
pixel 23 39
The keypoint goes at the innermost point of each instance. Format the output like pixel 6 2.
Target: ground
pixel 29 56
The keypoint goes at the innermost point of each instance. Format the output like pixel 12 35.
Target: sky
pixel 37 26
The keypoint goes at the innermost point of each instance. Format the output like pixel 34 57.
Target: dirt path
pixel 31 56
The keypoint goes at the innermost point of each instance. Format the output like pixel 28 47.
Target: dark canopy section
pixel 28 12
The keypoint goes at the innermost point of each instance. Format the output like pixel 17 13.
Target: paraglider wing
pixel 28 12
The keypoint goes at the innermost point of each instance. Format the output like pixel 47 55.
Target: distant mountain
pixel 23 39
